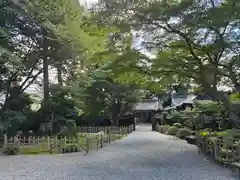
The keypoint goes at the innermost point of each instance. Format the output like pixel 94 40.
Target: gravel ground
pixel 143 155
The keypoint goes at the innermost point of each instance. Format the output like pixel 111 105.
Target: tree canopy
pixel 92 58
pixel 196 41
pixel 77 65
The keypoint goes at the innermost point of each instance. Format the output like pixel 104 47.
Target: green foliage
pixel 173 130
pixel 210 107
pixel 190 118
pixel 178 125
pixel 183 133
pixel 11 149
pixel 104 95
pixel 41 148
pixel 102 74
pixel 174 117
pixel 164 128
pixel 206 114
pixel 69 130
pixel 13 121
pixel 204 133
pixel 234 97
pixel 229 133
pixel 186 52
pixel 59 34
pixel 217 112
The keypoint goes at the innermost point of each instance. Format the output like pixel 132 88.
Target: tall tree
pixel 205 52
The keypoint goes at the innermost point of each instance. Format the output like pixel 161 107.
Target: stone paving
pixel 143 155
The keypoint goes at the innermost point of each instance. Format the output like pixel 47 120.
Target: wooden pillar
pixel 154 122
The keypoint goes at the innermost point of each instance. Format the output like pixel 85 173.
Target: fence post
pixel 87 145
pixel 48 142
pixel 24 140
pixel 97 142
pixel 57 145
pixel 101 139
pixel 51 148
pixel 50 145
pixel 5 139
pixel 108 132
pixel 110 138
pixel 81 141
pixel 134 124
pixel 29 140
pixel 65 140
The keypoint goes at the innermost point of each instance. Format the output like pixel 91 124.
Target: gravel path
pixel 143 155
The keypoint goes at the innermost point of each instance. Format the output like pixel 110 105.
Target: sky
pixel 87 3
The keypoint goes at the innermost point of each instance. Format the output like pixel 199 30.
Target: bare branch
pixel 32 80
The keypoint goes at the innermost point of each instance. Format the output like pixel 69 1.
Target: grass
pixel 43 147
pixel 80 142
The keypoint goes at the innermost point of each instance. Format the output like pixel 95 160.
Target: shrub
pixel 11 150
pixel 13 120
pixel 183 133
pixel 190 118
pixel 178 125
pixel 204 133
pixel 63 132
pixel 229 133
pixel 174 117
pixel 173 130
pixel 234 97
pixel 72 127
pixel 40 148
pixel 212 115
pixel 70 130
pixel 164 129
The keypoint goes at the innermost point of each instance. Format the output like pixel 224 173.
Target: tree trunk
pixel 59 74
pixel 154 122
pixel 45 80
pixel 116 112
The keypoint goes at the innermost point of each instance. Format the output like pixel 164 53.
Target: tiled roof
pixel 148 105
pixel 179 99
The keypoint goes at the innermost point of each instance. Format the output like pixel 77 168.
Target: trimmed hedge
pixel 178 125
pixel 163 129
pixel 11 149
pixel 184 132
pixel 223 147
pixel 173 130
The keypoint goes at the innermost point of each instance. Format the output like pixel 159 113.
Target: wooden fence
pixel 105 129
pixel 107 135
pixel 225 151
pixel 84 141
